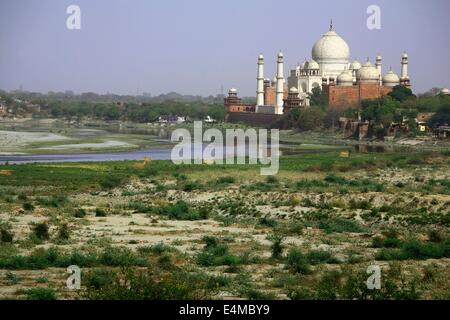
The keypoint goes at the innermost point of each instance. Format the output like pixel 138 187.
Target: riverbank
pixel 242 235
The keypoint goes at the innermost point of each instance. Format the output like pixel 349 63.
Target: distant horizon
pixel 199 47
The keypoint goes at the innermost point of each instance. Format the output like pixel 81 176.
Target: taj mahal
pixel 346 83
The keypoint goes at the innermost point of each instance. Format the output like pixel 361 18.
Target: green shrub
pixel 22 197
pixel 63 232
pixel 226 180
pixel 111 181
pixel 181 211
pixel 210 241
pixel 216 254
pixel 435 236
pixel 150 284
pixel 79 213
pixel 389 242
pixel 271 179
pixel 268 222
pixel 28 206
pixel 297 262
pixel 6 234
pixel 329 285
pixel 138 207
pixel 340 225
pixel 254 294
pixel 277 245
pixel 191 186
pixel 97 279
pixel 40 294
pixel 12 278
pixel 416 250
pixel 52 201
pixel 42 279
pixel 319 256
pixel 158 248
pixel 364 204
pixel 100 212
pixel 40 231
pixel 120 256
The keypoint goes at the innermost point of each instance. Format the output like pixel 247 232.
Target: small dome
pixel 280 54
pixel 293 90
pixel 233 90
pixel 368 73
pixel 312 65
pixel 355 65
pixel 404 55
pixel 261 57
pixel 390 79
pixel 331 48
pixel 345 78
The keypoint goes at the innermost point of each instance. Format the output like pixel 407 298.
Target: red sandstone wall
pixel 240 108
pixel 344 97
pixel 270 95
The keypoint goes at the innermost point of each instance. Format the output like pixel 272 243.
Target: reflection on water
pixel 250 151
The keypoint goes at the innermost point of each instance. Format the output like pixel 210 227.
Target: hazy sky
pixel 196 46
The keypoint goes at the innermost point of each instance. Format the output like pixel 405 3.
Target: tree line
pixel 398 106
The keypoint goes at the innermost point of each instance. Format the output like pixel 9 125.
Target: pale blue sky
pixel 195 46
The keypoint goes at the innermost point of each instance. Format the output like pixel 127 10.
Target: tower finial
pixel 331 24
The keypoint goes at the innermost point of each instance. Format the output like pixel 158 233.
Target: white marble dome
pixel 233 90
pixel 331 48
pixel 293 90
pixel 312 65
pixel 355 65
pixel 368 73
pixel 391 79
pixel 345 78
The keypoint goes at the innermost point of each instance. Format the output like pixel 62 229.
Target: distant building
pixel 445 91
pixel 171 119
pixel 346 84
pixel 422 120
pixel 208 119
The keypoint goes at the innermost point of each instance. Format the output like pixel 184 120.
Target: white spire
pixel 404 66
pixel 280 84
pixel 378 63
pixel 260 82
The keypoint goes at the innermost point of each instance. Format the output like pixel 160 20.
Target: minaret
pixel 404 66
pixel 260 83
pixel 404 79
pixel 280 84
pixel 378 65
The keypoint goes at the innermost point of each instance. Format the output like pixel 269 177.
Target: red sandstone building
pixel 345 84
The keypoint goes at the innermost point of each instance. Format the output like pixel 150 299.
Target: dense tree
pixel 302 119
pixel 442 116
pixel 401 93
pixel 380 110
pixel 318 98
